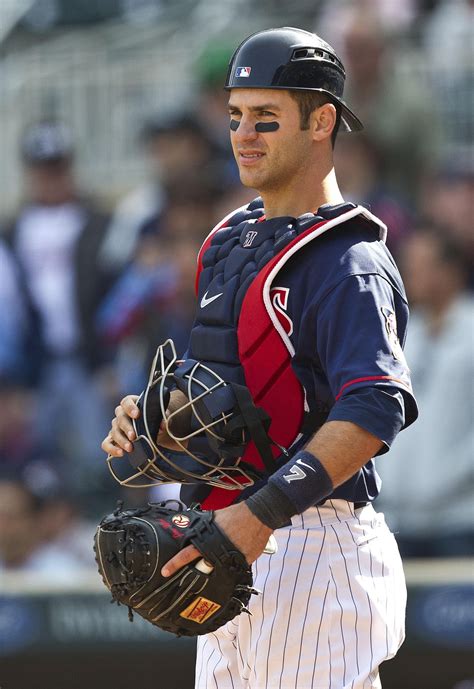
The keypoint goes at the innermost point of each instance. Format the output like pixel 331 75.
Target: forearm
pixel 337 451
pixel 343 448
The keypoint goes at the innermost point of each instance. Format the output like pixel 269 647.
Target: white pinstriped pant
pixel 332 608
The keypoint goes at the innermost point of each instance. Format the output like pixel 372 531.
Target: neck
pixel 302 196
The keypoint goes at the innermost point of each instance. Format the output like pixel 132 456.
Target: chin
pixel 250 180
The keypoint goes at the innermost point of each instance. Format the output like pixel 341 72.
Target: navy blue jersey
pixel 346 311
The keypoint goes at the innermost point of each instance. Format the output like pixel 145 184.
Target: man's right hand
pixel 121 435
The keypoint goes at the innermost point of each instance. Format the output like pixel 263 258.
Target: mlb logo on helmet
pixel 243 71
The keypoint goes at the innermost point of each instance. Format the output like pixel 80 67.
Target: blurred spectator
pixel 448 41
pixel 212 101
pixel 17 421
pixel 393 16
pixel 152 301
pixel 39 529
pixel 54 240
pixel 389 95
pixel 12 319
pixel 182 166
pixel 359 173
pixel 428 477
pixel 448 199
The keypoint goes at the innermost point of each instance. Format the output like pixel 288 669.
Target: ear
pixel 323 121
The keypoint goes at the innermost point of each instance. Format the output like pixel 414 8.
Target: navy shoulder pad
pixel 329 211
pixel 256 203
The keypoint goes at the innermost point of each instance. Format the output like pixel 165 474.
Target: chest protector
pixel 239 332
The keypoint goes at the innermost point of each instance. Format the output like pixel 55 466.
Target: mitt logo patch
pixel 200 610
pixel 181 520
pixel 174 532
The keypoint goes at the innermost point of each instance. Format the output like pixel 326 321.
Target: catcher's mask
pixel 211 429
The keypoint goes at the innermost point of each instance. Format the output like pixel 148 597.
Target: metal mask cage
pixel 157 465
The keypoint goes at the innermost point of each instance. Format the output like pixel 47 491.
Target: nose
pixel 246 130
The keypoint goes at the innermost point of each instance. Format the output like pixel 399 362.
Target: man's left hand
pixel 240 525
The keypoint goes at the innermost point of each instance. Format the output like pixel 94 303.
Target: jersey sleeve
pixel 360 352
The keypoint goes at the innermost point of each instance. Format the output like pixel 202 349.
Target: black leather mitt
pixel 131 547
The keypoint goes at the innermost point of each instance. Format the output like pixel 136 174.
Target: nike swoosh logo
pixel 205 301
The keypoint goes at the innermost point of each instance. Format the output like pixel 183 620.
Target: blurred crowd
pixel 87 292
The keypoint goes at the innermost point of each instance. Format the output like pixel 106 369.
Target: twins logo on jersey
pixel 279 297
pixel 391 328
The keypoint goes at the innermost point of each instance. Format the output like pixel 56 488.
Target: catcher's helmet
pixel 294 60
pixel 212 429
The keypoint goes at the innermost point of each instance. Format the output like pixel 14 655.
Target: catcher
pixel 293 382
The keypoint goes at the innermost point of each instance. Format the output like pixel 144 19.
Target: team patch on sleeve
pixel 391 328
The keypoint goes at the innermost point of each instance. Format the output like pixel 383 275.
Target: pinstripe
pixel 353 600
pixel 386 596
pixel 307 608
pixel 317 638
pixel 278 602
pixel 241 656
pixel 291 604
pixel 342 629
pixel 222 656
pixel 366 593
pixel 371 560
pixel 201 655
pixel 319 517
pixel 249 620
pixel 262 616
pixel 335 511
pixel 214 671
pixel 250 661
pixel 330 661
pixel 208 661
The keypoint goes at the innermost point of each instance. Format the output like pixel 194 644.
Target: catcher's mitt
pixel 131 547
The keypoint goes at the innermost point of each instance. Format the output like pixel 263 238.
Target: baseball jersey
pixel 341 300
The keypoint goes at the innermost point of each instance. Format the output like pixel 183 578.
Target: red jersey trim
pixel 367 379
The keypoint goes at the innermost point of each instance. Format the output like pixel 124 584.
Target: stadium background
pixel 138 85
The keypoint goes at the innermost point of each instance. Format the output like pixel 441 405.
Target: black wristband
pixel 271 506
pixel 299 484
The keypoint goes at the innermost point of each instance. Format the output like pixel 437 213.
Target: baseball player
pixel 299 299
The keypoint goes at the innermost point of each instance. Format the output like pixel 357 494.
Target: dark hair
pixel 308 101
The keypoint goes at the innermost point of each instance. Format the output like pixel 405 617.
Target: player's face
pixel 272 160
